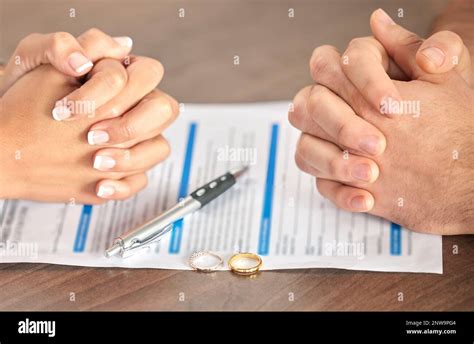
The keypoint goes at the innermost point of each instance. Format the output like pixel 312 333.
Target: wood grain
pixel 198 52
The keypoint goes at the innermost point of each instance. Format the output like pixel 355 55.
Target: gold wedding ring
pixel 247 270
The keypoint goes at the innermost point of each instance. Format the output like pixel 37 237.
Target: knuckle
pixel 320 62
pixel 125 131
pixel 299 101
pixel 97 39
pixel 358 102
pixel 360 43
pixel 170 106
pixel 411 39
pixel 300 162
pixel 155 69
pixel 354 54
pixel 303 147
pixel 320 51
pixel 162 106
pixel 165 148
pixel 318 95
pixel 354 42
pixel 296 116
pixel 94 32
pixel 369 87
pixel 114 79
pixel 60 40
pixel 127 160
pixel 174 107
pixel 25 41
pixel 161 151
pixel 341 132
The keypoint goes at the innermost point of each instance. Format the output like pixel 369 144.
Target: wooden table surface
pixel 198 52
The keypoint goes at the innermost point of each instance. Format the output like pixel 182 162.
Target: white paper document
pixel 274 210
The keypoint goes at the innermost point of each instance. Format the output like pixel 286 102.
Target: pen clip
pixel 142 246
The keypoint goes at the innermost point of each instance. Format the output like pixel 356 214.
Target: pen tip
pixel 112 251
pixel 239 171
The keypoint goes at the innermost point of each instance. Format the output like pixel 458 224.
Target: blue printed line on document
pixel 177 230
pixel 83 229
pixel 395 239
pixel 266 221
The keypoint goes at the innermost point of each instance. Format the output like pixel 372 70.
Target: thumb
pixel 63 51
pixel 401 44
pixel 60 49
pixel 442 52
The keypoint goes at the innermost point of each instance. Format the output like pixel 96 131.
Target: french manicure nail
pixel 95 137
pixel 124 41
pixel 359 203
pixel 370 144
pixel 61 112
pixel 362 172
pixel 383 17
pixel 105 191
pixel 79 62
pixel 104 163
pixel 435 55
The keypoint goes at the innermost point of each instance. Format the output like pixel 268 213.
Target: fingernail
pixel 104 163
pixel 79 62
pixel 435 55
pixel 383 17
pixel 370 144
pixel 362 172
pixel 105 191
pixel 359 203
pixel 124 41
pixel 96 137
pixel 61 112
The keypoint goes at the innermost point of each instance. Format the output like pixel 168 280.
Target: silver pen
pixel 151 232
